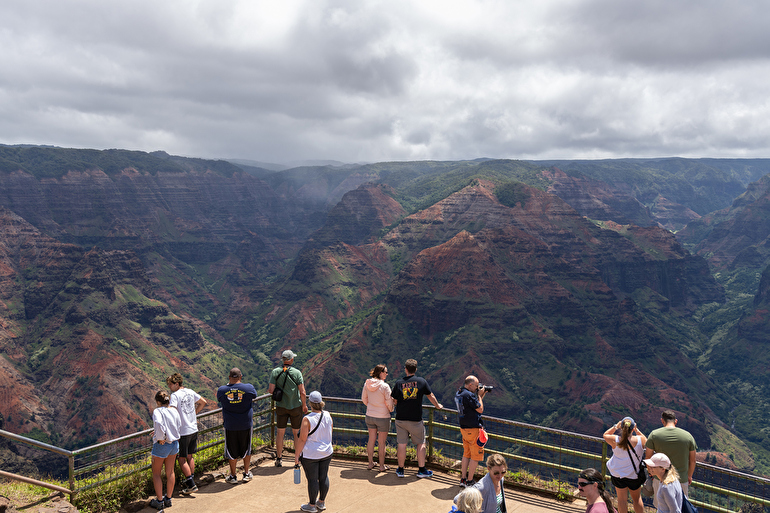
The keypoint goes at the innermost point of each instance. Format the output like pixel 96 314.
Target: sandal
pixel 370 467
pixel 384 468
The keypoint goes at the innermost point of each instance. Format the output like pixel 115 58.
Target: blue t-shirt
pixel 467 402
pixel 235 401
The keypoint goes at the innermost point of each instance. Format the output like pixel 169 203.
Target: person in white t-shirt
pixel 188 404
pixel 165 446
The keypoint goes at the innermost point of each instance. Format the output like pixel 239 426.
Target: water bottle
pixel 296 474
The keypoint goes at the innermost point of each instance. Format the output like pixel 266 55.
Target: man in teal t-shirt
pixel 292 405
pixel 677 444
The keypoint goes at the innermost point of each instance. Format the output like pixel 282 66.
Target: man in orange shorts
pixel 470 406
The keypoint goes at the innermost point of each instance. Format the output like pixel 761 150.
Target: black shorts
pixel 188 445
pixel 283 415
pixel 632 483
pixel 237 444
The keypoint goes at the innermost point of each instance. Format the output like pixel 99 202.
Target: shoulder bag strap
pixel 288 376
pixel 630 456
pixel 317 425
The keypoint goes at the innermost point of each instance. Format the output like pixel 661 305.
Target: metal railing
pixel 539 457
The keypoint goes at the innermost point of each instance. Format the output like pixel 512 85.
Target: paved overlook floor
pixel 352 489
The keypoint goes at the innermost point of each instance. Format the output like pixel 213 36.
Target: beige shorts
pixel 410 428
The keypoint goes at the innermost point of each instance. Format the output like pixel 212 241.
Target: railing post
pixel 71 465
pixel 430 433
pixel 272 423
pixel 604 459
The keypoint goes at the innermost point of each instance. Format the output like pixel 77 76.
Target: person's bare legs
pixel 233 464
pixel 279 433
pixel 157 478
pixel 636 499
pixel 421 455
pixel 401 455
pixel 622 500
pixel 370 447
pixel 187 466
pixel 382 439
pixel 170 476
pixel 472 469
pixel 246 463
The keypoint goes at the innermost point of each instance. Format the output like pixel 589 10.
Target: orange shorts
pixel 471 449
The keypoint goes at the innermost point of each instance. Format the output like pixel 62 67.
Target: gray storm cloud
pixel 368 80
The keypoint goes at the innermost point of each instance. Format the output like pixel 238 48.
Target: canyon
pixel 582 290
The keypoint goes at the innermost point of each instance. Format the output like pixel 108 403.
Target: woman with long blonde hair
pixel 668 496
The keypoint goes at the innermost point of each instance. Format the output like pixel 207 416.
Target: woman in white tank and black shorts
pixel 625 464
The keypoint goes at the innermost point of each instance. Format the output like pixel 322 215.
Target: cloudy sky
pixel 366 80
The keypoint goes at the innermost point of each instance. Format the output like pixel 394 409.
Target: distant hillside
pixel 558 282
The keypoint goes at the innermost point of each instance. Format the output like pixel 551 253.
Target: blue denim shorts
pixel 165 450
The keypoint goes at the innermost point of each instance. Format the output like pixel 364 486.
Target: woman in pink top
pixel 376 397
pixel 591 488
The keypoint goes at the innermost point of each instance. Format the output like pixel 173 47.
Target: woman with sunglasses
pixel 491 486
pixel 376 397
pixel 668 495
pixel 625 466
pixel 591 486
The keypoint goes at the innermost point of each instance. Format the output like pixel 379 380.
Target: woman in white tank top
pixel 314 450
pixel 624 466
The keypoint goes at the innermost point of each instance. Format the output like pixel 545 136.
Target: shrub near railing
pixel 543 458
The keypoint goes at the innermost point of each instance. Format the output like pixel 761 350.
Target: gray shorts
pixel 380 424
pixel 410 428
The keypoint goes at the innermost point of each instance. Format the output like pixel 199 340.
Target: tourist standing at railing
pixel 165 446
pixel 677 444
pixel 314 451
pixel 408 393
pixel 379 405
pixel 189 404
pixel 236 399
pixel 591 486
pixel 625 465
pixel 469 401
pixel 491 486
pixel 292 404
pixel 668 492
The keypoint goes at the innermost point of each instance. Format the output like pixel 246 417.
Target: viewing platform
pixel 543 460
pixel 352 489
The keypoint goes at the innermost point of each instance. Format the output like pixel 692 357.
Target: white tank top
pixel 319 445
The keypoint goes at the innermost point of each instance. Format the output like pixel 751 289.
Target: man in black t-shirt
pixel 407 394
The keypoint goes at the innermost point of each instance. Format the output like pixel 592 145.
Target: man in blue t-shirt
pixel 408 393
pixel 470 406
pixel 235 398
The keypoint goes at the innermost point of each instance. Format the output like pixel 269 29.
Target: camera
pixel 487 388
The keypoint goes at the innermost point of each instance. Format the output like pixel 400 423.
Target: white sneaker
pixel 231 479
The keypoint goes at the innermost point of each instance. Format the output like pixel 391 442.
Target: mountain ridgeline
pixel 582 290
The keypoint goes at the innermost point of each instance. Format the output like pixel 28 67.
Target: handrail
pixel 35 443
pixel 509 445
